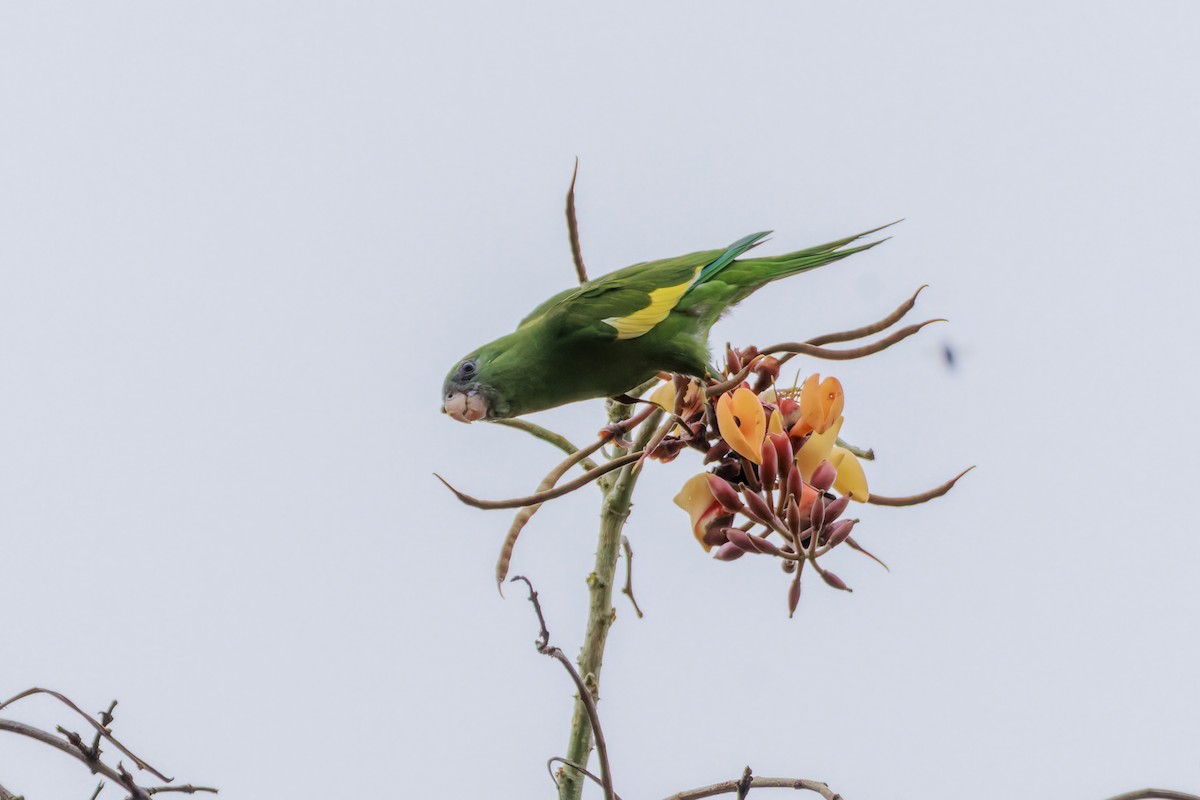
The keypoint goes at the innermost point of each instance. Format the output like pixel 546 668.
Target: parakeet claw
pixel 465 406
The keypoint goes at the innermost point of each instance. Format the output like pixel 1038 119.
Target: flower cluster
pixel 777 463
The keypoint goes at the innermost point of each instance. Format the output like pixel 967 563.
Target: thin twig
pixel 577 768
pixel 106 718
pixel 916 499
pixel 867 330
pixel 585 695
pixel 548 436
pixel 187 788
pixel 628 590
pixel 5 794
pixel 806 349
pixel 91 721
pixel 1155 794
pixel 758 783
pixel 550 494
pixel 573 229
pixel 99 788
pixel 12 726
pixel 865 455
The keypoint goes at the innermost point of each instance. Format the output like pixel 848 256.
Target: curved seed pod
pixel 758 506
pixel 823 477
pixel 834 508
pixel 724 493
pixel 768 470
pixel 729 552
pixel 816 513
pixel 834 581
pixel 839 531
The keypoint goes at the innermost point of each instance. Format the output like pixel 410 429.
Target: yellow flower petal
pixel 664 397
pixel 697 500
pixel 851 480
pixel 742 423
pixel 775 425
pixel 816 450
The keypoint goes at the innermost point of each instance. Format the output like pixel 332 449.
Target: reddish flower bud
pixel 783 453
pixel 768 470
pixel 795 485
pixel 729 552
pixel 767 370
pixel 793 596
pixel 724 493
pixel 790 410
pixel 816 513
pixel 730 469
pixel 741 539
pixel 823 476
pixel 788 565
pixel 764 545
pixel 834 508
pixel 758 506
pixel 733 362
pixel 716 452
pixel 834 581
pixel 714 534
pixel 839 531
pixel 795 519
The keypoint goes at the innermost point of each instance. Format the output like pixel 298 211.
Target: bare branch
pixel 916 499
pixel 1155 794
pixel 585 696
pixel 187 788
pixel 100 729
pixel 5 794
pixel 573 229
pixel 548 436
pixel 99 767
pixel 866 330
pixel 724 386
pixel 628 590
pixel 729 787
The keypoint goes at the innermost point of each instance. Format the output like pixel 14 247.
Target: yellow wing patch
pixel 641 322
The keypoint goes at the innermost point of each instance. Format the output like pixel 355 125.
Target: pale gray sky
pixel 241 244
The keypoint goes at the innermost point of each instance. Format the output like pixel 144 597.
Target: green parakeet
pixel 613 333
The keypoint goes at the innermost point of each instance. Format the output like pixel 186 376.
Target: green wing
pixel 630 302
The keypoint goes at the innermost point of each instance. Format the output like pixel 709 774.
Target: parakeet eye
pixel 467 369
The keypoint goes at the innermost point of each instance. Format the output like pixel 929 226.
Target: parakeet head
pixel 479 387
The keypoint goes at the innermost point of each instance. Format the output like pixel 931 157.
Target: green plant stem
pixel 601 614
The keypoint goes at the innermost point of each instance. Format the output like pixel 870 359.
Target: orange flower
pixel 821 404
pixel 742 423
pixel 697 500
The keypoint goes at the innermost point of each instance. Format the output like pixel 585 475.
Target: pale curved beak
pixel 465 406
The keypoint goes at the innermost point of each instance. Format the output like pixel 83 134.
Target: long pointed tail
pixel 751 274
